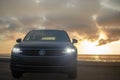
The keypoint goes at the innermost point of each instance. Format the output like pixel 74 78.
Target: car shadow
pixel 43 76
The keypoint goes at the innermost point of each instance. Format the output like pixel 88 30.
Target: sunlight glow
pixel 94 17
pixel 102 35
pixel 92 48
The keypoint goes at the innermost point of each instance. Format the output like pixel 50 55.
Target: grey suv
pixel 44 51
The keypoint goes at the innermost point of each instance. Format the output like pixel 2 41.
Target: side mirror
pixel 19 40
pixel 74 41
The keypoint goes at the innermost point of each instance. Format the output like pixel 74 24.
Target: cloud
pixel 74 16
pixel 19 7
pixel 109 15
pixel 111 4
pixel 108 18
pixel 112 35
pixel 83 26
pixel 10 26
pixel 53 14
pixel 36 7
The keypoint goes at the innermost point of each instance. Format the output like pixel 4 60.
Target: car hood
pixel 45 44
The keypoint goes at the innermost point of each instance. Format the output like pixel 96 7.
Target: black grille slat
pixel 49 52
pixel 53 52
pixel 31 52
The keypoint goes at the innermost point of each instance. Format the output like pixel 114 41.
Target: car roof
pixel 47 30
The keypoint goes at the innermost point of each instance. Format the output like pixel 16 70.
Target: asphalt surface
pixel 86 71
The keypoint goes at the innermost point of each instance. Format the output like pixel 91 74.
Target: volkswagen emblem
pixel 42 52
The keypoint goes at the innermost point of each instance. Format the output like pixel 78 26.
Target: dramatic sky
pixel 93 22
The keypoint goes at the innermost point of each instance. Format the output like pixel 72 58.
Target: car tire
pixel 73 74
pixel 16 74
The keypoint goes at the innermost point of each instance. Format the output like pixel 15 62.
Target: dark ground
pixel 86 71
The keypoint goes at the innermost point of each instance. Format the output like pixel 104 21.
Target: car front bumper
pixel 43 63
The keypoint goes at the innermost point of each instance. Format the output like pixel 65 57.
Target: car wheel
pixel 16 74
pixel 73 74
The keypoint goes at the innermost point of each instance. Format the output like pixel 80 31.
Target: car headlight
pixel 68 50
pixel 16 50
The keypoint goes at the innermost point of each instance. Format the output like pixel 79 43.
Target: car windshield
pixel 47 35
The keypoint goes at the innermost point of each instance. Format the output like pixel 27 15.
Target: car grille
pixel 47 52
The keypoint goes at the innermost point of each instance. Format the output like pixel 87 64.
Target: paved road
pixel 85 72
